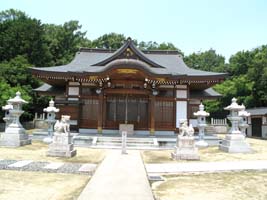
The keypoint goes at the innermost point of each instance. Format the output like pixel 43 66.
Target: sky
pixel 228 26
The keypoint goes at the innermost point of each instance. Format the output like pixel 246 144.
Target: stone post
pixel 243 124
pixel 51 111
pixel 7 117
pixel 15 134
pixel 124 142
pixel 201 124
pixel 234 141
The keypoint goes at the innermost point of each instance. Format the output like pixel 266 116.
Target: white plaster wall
pixel 73 91
pixel 249 131
pixel 181 112
pixel 264 131
pixel 181 86
pixel 74 83
pixel 181 94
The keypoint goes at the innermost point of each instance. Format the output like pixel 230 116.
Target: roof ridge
pixel 86 49
pixel 102 50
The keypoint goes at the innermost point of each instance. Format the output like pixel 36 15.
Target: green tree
pixel 15 76
pixel 109 41
pixel 207 61
pixel 64 41
pixel 240 62
pixel 22 35
pixel 257 73
pixel 238 87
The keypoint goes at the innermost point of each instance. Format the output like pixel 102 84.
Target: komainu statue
pixel 186 130
pixel 63 126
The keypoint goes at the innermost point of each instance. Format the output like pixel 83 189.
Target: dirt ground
pixel 40 186
pixel 37 152
pixel 219 186
pixel 211 154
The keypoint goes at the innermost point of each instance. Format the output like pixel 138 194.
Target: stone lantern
pixel 15 134
pixel 7 117
pixel 51 111
pixel 243 125
pixel 234 141
pixel 201 124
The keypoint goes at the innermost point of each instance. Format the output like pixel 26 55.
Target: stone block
pixel 61 147
pixel 235 143
pixel 14 139
pixel 185 149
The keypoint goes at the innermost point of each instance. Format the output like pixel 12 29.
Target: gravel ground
pixel 4 163
pixel 70 168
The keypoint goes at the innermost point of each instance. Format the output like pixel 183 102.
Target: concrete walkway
pixel 119 177
pixel 176 168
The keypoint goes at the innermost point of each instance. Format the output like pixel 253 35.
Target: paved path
pixel 119 177
pixel 53 167
pixel 173 168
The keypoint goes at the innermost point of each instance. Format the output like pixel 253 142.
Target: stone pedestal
pixel 14 137
pixel 124 142
pixel 235 143
pixel 202 144
pixel 61 146
pixel 185 149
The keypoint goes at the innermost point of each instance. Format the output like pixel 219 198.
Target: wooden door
pixel 164 114
pixel 89 112
pixel 129 109
pixel 256 127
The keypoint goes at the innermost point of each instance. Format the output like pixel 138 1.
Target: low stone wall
pixel 40 124
pixel 220 129
pixel 26 125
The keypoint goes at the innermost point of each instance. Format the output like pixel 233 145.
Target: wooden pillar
pixel 100 113
pixel 152 115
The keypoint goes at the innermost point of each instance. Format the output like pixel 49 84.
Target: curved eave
pixel 72 75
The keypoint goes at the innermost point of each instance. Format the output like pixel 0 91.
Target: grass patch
pixel 219 186
pixel 41 186
pixel 212 154
pixel 37 152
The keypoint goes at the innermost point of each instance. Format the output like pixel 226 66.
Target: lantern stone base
pixel 61 147
pixel 235 143
pixel 185 149
pixel 202 144
pixel 14 137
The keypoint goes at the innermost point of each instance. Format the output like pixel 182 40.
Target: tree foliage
pixel 207 61
pixel 63 41
pixel 22 35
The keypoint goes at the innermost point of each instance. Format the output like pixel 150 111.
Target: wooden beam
pixel 152 114
pixel 100 113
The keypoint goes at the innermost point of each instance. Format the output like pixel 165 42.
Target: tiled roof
pixel 160 62
pixel 257 111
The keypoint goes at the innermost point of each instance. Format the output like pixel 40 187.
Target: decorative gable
pixel 129 51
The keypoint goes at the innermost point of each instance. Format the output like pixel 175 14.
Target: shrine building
pixel 153 90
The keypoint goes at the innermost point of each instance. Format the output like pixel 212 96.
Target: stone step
pixel 128 139
pixel 20 164
pixel 54 165
pixel 128 144
pixel 87 167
